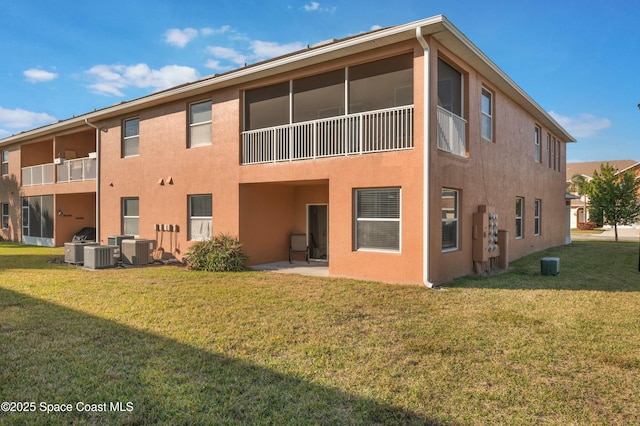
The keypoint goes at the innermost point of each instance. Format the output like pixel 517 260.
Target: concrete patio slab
pixel 314 269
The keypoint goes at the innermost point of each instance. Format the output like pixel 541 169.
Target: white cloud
pixel 180 38
pixel 227 53
pixel 112 79
pixel 211 31
pixel 312 6
pixel 36 75
pixel 582 125
pixel 22 119
pixel 270 49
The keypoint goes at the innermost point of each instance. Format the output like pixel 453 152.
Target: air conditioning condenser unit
pixel 74 252
pixel 116 240
pixel 99 257
pixel 138 252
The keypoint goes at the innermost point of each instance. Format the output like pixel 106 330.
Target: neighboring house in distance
pixel 379 147
pixel 580 205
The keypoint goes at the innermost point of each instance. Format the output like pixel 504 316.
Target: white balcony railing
pixel 373 131
pixel 41 174
pixel 78 169
pixel 451 132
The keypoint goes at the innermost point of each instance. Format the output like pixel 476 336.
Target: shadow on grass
pixel 50 354
pixel 584 265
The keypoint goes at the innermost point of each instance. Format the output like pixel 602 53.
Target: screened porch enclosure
pixel 355 110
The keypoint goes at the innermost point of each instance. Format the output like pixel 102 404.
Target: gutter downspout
pixel 86 120
pixel 427 160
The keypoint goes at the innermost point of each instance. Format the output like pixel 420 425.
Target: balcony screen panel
pixel 267 106
pixel 449 88
pixel 381 84
pixel 47 216
pixel 318 96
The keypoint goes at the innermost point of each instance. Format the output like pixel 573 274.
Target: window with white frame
pixel 5 215
pixel 5 162
pixel 200 124
pixel 377 219
pixel 487 114
pixel 131 216
pixel 519 217
pixel 450 216
pixel 536 217
pixel 131 137
pixel 549 158
pixel 536 144
pixel 200 217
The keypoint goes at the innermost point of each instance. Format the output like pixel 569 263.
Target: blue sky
pixel 580 60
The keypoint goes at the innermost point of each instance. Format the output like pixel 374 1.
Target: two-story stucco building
pixel 379 148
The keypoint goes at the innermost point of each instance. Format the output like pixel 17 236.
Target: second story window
pixel 200 124
pixel 5 162
pixel 487 115
pixel 536 144
pixel 131 137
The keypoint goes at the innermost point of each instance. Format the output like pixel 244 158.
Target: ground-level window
pixel 5 162
pixel 200 217
pixel 449 219
pixel 377 219
pixel 37 216
pixel 131 137
pixel 200 124
pixel 519 216
pixel 5 215
pixel 131 216
pixel 536 217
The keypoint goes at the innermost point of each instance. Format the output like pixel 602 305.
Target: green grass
pixel 188 347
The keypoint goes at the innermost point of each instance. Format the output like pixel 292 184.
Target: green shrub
pixel 223 253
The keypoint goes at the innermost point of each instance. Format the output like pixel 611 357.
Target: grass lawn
pixel 165 345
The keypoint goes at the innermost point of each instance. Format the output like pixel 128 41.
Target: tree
pixel 614 197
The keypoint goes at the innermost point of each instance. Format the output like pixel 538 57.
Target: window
pixel 552 160
pixel 377 213
pixel 131 216
pixel 200 217
pixel 536 217
pixel 5 162
pixel 519 217
pixel 487 115
pixel 5 215
pixel 131 137
pixel 449 219
pixel 37 216
pixel 536 144
pixel 200 124
pixel 557 150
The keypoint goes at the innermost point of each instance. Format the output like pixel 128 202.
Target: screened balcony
pixel 359 109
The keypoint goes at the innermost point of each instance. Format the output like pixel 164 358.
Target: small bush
pixel 223 253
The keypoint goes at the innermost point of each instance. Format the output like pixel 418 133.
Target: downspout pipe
pixel 97 177
pixel 426 214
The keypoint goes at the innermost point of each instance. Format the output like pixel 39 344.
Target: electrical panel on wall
pixel 485 234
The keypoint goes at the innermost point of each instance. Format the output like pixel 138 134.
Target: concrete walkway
pixel 314 269
pixel 624 234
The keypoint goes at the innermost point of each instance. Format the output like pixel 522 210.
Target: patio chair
pixel 299 245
